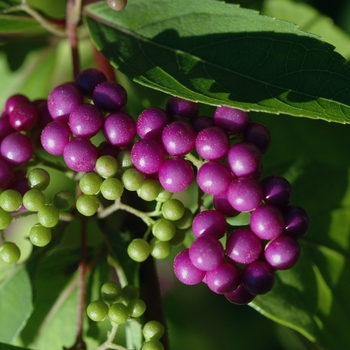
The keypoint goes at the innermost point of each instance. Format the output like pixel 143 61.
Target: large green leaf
pixel 15 303
pixel 312 297
pixel 218 53
pixel 18 24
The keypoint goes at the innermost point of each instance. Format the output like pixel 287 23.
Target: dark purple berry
pixel 222 204
pixel 296 221
pixel 16 148
pixel 151 123
pixel 14 101
pixel 276 190
pixel 209 223
pixel 240 296
pixel 259 135
pixel 109 96
pixel 88 79
pixel 231 119
pixel 6 174
pixel 24 117
pixel 177 106
pixel 202 122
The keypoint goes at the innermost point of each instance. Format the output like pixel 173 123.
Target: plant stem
pixel 108 344
pixel 103 65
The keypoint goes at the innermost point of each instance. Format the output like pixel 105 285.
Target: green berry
pixel 9 252
pixel 112 188
pixel 152 345
pixel 10 200
pixel 63 200
pixel 132 179
pixel 118 313
pixel 153 330
pixel 124 159
pixel 90 183
pixel 5 219
pixel 173 209
pixel 111 291
pixel 39 235
pixel 137 307
pixel 163 195
pixel 129 293
pixel 160 249
pixel 138 249
pixel 87 205
pixel 48 216
pixel 38 178
pixel 34 199
pixel 163 229
pixel 106 166
pixel 97 310
pixel 186 221
pixel 179 237
pixel 149 190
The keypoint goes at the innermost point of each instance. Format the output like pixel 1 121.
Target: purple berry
pixel 175 174
pixel 209 223
pixel 212 143
pixel 259 135
pixel 63 100
pixel 16 148
pixel 109 96
pixel 119 129
pixel 240 296
pixel 202 122
pixel 258 277
pixel 222 204
pixel 86 120
pixel 55 136
pixel 80 155
pixel 6 174
pixel 244 194
pixel 244 159
pixel 224 278
pixel 88 79
pixel 5 126
pixel 151 123
pixel 14 101
pixel 243 246
pixel 148 155
pixel 44 116
pixel 231 119
pixel 185 271
pixel 23 117
pixel 213 177
pixel 267 222
pixel 282 253
pixel 177 106
pixel 296 221
pixel 178 138
pixel 276 190
pixel 206 253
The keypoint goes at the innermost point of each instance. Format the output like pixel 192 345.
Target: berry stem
pixel 195 161
pixel 73 17
pixel 103 65
pixel 108 344
pixel 39 18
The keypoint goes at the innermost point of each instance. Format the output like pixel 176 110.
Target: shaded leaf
pixel 10 24
pixel 218 53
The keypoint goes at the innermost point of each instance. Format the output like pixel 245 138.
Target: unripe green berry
pixel 106 166
pixel 152 345
pixel 124 159
pixel 87 205
pixel 132 179
pixel 5 219
pixel 163 195
pixel 129 293
pixel 48 216
pixel 186 221
pixel 39 235
pixel 149 190
pixel 173 209
pixel 160 249
pixel 63 200
pixel 9 252
pixel 179 237
pixel 136 307
pixel 138 249
pixel 38 178
pixel 118 313
pixel 153 330
pixel 164 229
pixel 111 291
pixel 34 199
pixel 97 310
pixel 90 183
pixel 112 188
pixel 10 200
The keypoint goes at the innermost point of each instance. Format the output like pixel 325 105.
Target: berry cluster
pixel 160 153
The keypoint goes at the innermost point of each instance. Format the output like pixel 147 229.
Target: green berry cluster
pixel 153 332
pixel 118 304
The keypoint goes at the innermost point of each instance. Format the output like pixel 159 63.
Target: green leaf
pixel 11 347
pixel 19 24
pixel 309 19
pixel 15 303
pixel 312 297
pixel 218 53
